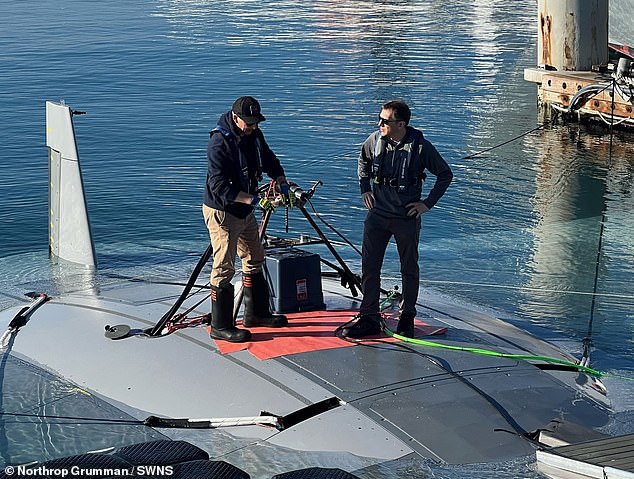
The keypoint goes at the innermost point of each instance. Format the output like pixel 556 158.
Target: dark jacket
pixel 390 199
pixel 235 163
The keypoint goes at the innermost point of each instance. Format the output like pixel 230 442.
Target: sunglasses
pixel 385 121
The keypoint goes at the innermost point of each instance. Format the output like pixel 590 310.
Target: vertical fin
pixel 70 238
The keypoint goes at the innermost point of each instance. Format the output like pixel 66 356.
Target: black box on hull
pixel 295 279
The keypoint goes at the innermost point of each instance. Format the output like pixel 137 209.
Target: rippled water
pixel 21 382
pixel 519 230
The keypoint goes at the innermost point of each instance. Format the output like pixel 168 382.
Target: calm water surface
pixel 539 229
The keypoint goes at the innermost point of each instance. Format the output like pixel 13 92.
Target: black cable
pixel 506 142
pixel 156 330
pixel 89 420
pixel 333 229
pixel 501 410
pixel 587 341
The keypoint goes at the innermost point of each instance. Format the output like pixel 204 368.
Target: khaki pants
pixel 231 236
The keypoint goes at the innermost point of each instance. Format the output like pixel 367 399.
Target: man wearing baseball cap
pixel 237 156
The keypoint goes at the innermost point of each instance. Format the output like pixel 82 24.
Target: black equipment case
pixel 294 276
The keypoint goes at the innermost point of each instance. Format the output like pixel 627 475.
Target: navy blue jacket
pixel 233 165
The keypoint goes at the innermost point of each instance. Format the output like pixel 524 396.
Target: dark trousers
pixel 377 233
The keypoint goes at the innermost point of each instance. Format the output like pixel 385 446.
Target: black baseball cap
pixel 248 108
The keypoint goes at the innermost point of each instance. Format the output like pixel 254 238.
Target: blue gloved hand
pixel 287 196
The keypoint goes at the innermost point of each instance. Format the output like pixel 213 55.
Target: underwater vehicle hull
pixel 393 398
pixel 474 390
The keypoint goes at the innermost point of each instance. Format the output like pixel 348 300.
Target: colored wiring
pixel 487 352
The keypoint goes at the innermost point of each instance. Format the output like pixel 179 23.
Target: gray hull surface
pixel 395 399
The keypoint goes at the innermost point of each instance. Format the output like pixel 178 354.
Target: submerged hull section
pixel 394 400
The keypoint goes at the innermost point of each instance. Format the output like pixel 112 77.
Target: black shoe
pixel 405 325
pixel 365 325
pixel 232 334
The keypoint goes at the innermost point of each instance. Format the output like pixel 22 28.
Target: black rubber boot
pixel 222 324
pixel 405 325
pixel 257 311
pixel 365 325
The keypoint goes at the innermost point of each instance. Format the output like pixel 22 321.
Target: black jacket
pixel 233 165
pixel 390 201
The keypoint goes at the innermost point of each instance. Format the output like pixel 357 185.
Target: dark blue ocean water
pixel 518 231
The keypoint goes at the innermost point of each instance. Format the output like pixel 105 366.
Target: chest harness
pixel 248 182
pixel 405 176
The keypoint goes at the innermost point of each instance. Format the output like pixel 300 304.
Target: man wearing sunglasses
pixel 391 169
pixel 237 155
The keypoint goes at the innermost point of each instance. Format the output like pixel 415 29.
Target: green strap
pixel 488 352
pixel 526 357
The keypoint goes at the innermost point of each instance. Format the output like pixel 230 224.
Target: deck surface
pixel 602 458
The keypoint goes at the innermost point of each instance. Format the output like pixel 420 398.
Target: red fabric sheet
pixel 310 331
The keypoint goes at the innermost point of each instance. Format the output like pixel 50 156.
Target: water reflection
pixel 569 210
pixel 573 262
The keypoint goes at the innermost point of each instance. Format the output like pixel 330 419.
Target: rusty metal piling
pixel 573 58
pixel 572 34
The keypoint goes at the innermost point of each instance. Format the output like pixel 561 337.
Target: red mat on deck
pixel 310 331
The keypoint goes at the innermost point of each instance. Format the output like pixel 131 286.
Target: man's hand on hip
pixel 416 209
pixel 368 199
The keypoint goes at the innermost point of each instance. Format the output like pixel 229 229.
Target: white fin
pixel 70 238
